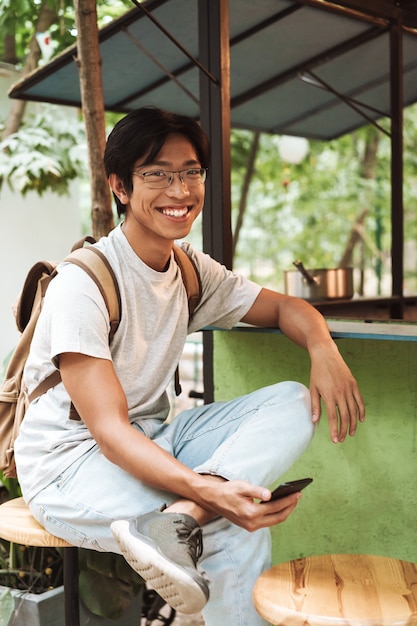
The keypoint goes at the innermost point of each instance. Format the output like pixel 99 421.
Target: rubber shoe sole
pixel 172 582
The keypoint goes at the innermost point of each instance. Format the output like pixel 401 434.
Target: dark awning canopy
pixel 312 68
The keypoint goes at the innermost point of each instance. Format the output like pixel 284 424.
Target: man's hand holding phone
pixel 286 489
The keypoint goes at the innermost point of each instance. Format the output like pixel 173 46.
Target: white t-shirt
pixel 145 349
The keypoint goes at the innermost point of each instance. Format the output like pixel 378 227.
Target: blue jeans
pixel 256 437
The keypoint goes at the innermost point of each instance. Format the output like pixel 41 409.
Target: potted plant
pixel 31 584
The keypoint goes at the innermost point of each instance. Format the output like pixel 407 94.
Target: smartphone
pixel 285 489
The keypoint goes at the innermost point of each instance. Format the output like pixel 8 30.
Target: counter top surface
pixel 394 331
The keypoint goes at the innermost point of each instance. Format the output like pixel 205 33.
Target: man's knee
pixel 289 391
pixel 297 396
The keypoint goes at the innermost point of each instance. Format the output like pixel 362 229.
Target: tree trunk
pixel 89 64
pixel 355 237
pixel 9 49
pixel 357 234
pixel 245 188
pixel 370 154
pixel 47 17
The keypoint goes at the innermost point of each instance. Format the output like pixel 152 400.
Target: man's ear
pixel 118 188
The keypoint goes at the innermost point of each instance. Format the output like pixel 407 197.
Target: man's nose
pixel 178 186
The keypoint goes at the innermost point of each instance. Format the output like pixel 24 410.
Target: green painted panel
pixel 364 495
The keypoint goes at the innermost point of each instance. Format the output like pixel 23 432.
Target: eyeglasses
pixel 158 179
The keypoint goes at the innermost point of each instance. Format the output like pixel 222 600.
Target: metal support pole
pixel 71 594
pixel 397 207
pixel 214 53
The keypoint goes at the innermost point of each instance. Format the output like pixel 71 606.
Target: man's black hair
pixel 141 135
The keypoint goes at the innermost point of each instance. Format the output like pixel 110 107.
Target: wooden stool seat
pixel 339 590
pixel 18 526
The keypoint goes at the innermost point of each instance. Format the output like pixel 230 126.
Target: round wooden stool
pixel 339 590
pixel 18 526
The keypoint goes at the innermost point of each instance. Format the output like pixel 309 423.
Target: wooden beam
pixel 214 53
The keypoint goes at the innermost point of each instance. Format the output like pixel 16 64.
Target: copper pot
pixel 319 284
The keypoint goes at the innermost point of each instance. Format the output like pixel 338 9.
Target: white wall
pixel 31 228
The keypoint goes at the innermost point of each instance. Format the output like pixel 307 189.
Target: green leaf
pixel 6 607
pixel 104 595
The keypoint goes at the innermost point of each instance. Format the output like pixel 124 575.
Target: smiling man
pixel 178 498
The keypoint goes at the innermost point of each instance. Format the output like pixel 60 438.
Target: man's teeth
pixel 175 212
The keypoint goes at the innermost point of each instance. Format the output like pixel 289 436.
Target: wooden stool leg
pixel 71 594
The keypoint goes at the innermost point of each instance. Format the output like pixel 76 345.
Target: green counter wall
pixel 364 495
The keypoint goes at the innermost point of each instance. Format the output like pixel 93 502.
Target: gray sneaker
pixel 164 549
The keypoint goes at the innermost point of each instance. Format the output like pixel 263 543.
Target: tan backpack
pixel 14 399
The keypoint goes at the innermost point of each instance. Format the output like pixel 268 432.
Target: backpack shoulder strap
pixel 38 277
pixel 190 277
pixel 192 284
pixel 96 265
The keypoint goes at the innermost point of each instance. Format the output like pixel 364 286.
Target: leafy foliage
pixel 18 17
pixel 34 569
pixel 47 153
pixel 309 211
